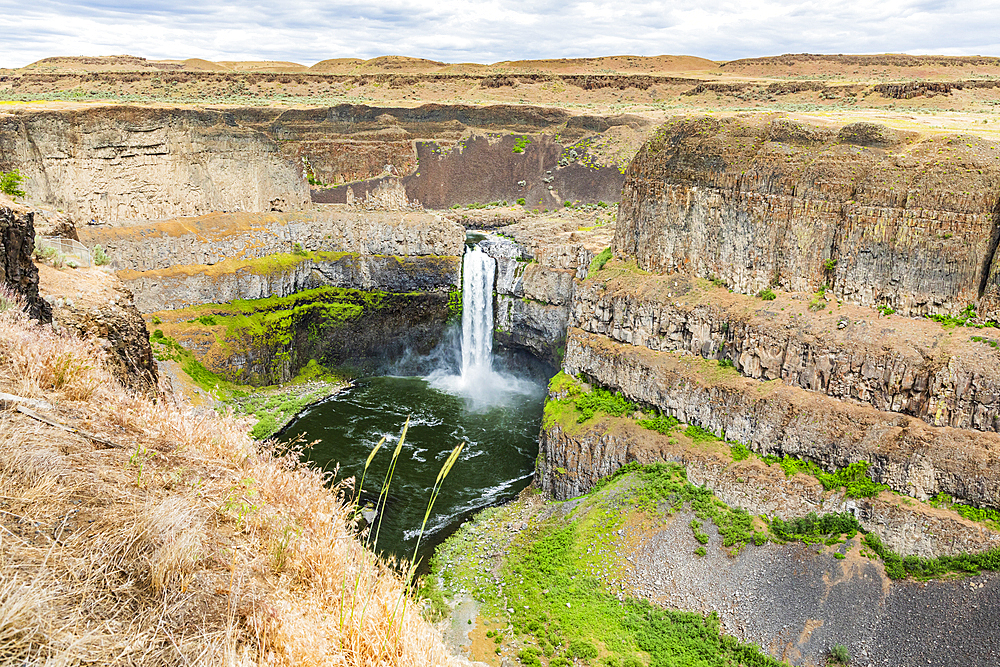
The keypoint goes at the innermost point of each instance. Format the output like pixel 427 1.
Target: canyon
pixel 816 287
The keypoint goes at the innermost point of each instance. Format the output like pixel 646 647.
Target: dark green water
pixel 500 436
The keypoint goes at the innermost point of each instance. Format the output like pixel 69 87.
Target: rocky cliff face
pixel 120 163
pixel 217 237
pixel 916 367
pixel 284 275
pixel 538 262
pixel 94 303
pixel 222 257
pixel 882 217
pixel 576 457
pixel 909 455
pixel 17 271
pixel 128 163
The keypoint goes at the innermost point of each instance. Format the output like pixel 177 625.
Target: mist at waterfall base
pixel 463 392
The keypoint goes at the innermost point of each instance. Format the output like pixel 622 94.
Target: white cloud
pixel 465 30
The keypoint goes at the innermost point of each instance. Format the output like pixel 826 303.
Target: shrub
pixel 521 144
pixel 700 551
pixel 739 451
pixel 839 653
pixel 297 249
pixel 600 260
pixel 581 648
pixel 699 434
pixel 10 183
pixel 660 424
pixel 520 201
pixel 615 404
pixel 767 294
pixel 830 264
pixel 100 257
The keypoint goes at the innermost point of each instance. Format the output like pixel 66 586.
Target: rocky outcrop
pixel 576 458
pixel 119 163
pixel 17 270
pixel 882 217
pixel 909 455
pixel 214 238
pixel 284 275
pixel 267 341
pixel 537 266
pixel 915 367
pixel 122 163
pixel 93 303
pixel 221 257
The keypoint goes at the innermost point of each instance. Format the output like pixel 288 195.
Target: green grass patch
pixel 600 259
pixel 963 319
pixel 986 515
pixel 579 405
pixel 739 451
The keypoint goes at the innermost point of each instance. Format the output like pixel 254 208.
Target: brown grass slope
pixel 185 543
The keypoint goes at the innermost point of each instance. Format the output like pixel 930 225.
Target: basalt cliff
pixel 770 284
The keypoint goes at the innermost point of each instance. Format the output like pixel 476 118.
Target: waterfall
pixel 478 270
pixel 482 386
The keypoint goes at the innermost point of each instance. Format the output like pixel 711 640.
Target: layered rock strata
pixel 121 163
pixel 116 163
pixel 213 238
pixel 286 274
pixel 577 456
pixel 947 377
pixel 885 218
pixel 222 257
pixel 905 453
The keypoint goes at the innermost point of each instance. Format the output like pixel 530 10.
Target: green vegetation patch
pixel 274 321
pixel 662 424
pixel 963 319
pixel 272 406
pixel 898 567
pixel 987 515
pixel 854 478
pixel 10 183
pixel 455 305
pixel 579 405
pixel 600 259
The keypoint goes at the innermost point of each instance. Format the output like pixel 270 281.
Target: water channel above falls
pixel 464 393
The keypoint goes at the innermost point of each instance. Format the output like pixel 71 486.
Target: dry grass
pixel 190 545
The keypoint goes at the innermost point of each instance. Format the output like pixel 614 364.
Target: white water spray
pixel 478 270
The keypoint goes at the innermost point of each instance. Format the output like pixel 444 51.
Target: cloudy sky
pixel 473 31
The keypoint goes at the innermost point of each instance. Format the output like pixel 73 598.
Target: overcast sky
pixel 485 32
